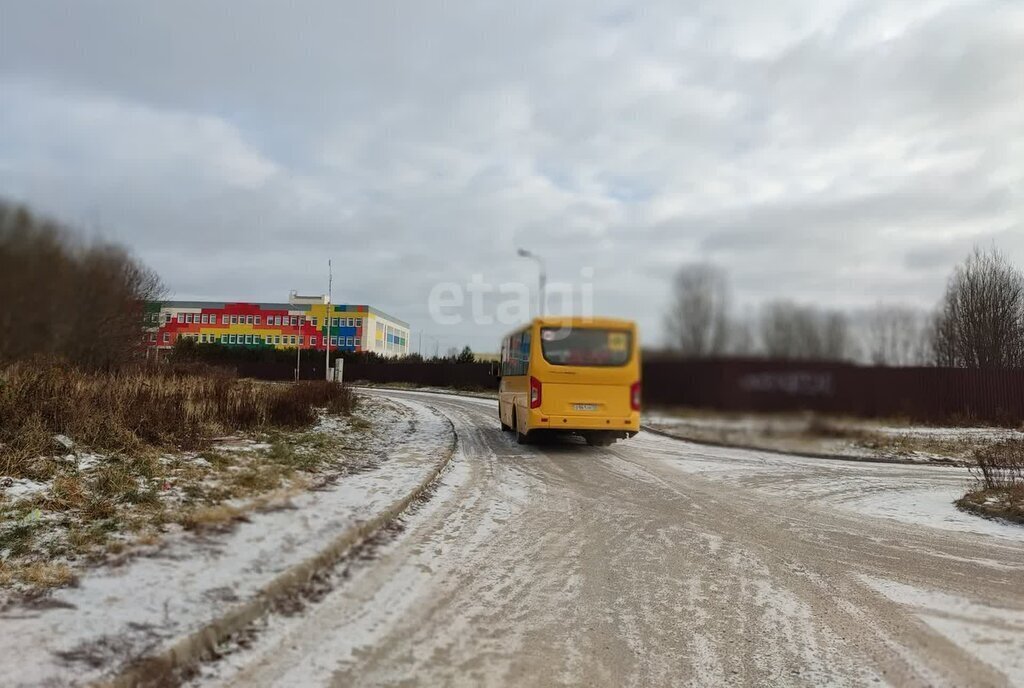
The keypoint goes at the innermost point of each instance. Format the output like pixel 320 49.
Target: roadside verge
pixel 801 454
pixel 160 668
pixel 147 621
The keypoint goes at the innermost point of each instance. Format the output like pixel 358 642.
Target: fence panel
pixel 924 394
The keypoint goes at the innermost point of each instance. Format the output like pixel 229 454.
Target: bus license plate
pixel 584 407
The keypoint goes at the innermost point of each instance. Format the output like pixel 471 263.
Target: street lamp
pixel 542 277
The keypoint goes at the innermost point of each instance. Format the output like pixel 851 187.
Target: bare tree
pixel 83 303
pixel 896 336
pixel 792 331
pixel 980 323
pixel 741 339
pixel 697 321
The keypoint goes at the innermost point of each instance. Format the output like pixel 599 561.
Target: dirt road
pixel 657 562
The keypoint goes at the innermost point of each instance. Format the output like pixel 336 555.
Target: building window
pixel 152 337
pixel 257 320
pixel 314 321
pixel 223 320
pixel 167 337
pixel 231 339
pixel 234 319
pixel 223 339
pixel 248 320
pixel 334 341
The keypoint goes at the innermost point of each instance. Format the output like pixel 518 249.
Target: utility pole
pixel 327 339
pixel 542 278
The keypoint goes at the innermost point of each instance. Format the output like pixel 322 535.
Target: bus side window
pixel 526 353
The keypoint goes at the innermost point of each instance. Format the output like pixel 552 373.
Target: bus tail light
pixel 634 396
pixel 534 393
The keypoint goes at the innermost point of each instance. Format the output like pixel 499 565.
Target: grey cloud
pixel 825 150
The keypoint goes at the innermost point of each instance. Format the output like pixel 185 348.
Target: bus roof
pixel 578 321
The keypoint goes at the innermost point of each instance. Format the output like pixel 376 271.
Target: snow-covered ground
pixel 919 495
pixel 80 635
pixel 805 433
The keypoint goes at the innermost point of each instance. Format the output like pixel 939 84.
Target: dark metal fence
pixel 925 394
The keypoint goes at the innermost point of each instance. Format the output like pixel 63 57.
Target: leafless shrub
pixel 1001 465
pixel 83 303
pixel 980 323
pixel 697 322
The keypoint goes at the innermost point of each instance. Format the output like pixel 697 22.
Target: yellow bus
pixel 577 375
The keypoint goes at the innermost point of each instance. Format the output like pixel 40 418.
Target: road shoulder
pixel 157 614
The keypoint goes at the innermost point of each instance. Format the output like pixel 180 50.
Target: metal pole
pixel 327 339
pixel 542 278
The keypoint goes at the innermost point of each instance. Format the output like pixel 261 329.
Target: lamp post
pixel 541 277
pixel 327 339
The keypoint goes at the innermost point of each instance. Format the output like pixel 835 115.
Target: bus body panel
pixel 575 398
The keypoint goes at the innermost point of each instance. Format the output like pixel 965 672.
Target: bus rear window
pixel 580 346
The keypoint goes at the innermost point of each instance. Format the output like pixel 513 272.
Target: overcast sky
pixel 840 152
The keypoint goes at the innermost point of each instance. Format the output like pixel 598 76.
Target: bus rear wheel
pixel 521 437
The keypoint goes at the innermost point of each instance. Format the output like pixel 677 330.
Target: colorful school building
pixel 305 322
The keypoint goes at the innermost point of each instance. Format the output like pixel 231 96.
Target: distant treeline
pixel 979 323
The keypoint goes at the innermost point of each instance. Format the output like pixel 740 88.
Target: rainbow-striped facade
pixel 291 325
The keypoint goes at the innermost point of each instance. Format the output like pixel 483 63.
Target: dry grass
pixel 215 517
pixel 125 412
pixel 1004 503
pixel 42 574
pixel 156 463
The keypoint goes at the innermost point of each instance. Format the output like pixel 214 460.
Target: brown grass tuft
pixel 41 574
pixel 212 517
